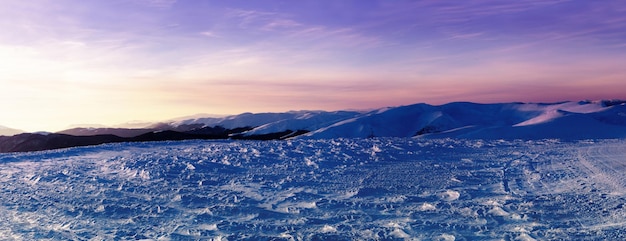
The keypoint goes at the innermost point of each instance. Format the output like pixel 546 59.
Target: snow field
pixel 337 189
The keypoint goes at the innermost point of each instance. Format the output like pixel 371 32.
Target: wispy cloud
pixel 464 36
pixel 157 3
pixel 284 25
pixel 209 34
pixel 251 18
pixel 123 58
pixel 455 11
pixel 281 24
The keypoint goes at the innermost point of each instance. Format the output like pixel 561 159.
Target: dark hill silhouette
pixel 39 142
pixel 121 132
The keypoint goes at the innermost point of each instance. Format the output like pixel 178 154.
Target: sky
pixel 67 62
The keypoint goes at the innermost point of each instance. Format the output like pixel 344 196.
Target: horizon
pixel 110 62
pixel 138 124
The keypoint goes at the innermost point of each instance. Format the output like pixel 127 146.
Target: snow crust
pixel 332 189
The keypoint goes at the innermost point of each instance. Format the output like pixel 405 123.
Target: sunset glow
pixel 65 62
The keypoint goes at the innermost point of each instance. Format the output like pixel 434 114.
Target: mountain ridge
pixel 567 120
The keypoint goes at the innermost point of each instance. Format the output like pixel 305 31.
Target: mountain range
pixel 564 120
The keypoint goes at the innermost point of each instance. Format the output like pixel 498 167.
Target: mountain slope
pixel 291 119
pixel 565 120
pixel 306 121
pixel 419 119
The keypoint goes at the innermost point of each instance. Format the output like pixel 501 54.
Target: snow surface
pixel 332 189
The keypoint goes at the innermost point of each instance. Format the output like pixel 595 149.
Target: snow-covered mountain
pixel 264 123
pixel 527 121
pixel 6 131
pixel 564 120
pixel 272 122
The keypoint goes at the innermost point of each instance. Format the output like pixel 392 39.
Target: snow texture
pixel 334 189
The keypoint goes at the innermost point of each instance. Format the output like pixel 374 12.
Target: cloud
pixel 340 37
pixel 251 18
pixel 281 24
pixel 209 34
pixel 96 60
pixel 263 21
pixel 157 3
pixel 285 26
pixel 477 9
pixel 465 36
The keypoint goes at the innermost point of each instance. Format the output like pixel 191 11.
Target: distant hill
pixel 121 132
pixel 563 120
pixel 38 142
pixel 6 131
pixel 47 141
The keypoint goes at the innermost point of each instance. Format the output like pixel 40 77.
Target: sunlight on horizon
pixel 110 62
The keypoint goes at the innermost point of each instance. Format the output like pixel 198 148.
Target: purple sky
pixel 90 61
